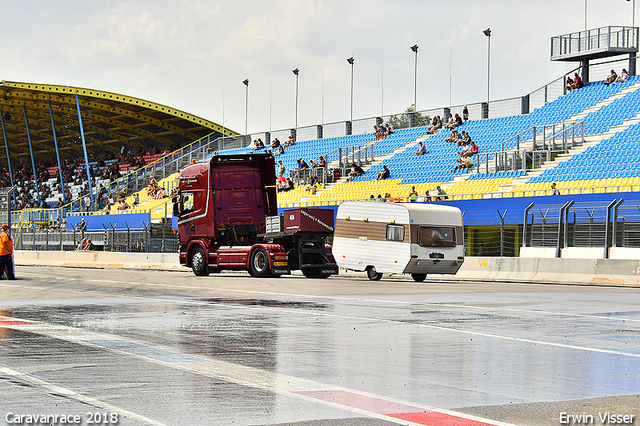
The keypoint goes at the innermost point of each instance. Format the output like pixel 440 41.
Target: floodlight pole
pixel 487 32
pixel 296 72
pixel 415 77
pixel 351 61
pixel 246 105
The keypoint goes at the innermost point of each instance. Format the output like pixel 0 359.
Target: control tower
pixel 597 43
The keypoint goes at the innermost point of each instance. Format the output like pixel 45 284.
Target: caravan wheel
pixel 372 274
pixel 418 277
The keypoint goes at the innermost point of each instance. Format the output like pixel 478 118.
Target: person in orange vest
pixel 6 253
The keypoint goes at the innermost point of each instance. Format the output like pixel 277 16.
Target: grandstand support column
pixel 84 147
pixel 319 131
pixel 6 147
pixel 632 63
pixel 55 143
pixel 485 110
pixel 33 164
pixel 524 105
pixel 585 70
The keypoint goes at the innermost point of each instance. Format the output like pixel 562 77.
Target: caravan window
pixel 437 236
pixel 395 232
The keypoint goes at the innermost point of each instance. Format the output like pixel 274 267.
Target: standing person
pixel 465 113
pixel 6 253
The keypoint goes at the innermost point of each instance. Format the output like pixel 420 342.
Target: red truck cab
pixel 222 207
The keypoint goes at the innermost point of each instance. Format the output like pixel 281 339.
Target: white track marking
pixel 78 396
pixel 373 319
pixel 210 367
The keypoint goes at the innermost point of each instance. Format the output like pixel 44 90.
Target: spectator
pixel 81 226
pixel 413 195
pixel 122 205
pixel 321 162
pixel 577 81
pixel 281 168
pixel 612 78
pixel 281 182
pixel 474 149
pixel 422 149
pixel 554 190
pixel 441 194
pixel 464 163
pixel 279 150
pixel 290 142
pixel 290 185
pixel 465 113
pixel 312 186
pixel 454 137
pixel 624 76
pixel 457 121
pixel 384 174
pixel 436 124
pixel 427 196
pixel 275 144
pixel 136 201
pixel 356 170
pixel 383 132
pixel 376 132
pixel 569 86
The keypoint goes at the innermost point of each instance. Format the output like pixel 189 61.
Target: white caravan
pixel 394 238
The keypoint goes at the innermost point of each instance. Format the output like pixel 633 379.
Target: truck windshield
pixel 437 236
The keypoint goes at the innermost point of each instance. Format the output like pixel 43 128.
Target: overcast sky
pixel 194 55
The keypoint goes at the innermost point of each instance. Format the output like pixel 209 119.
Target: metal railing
pixel 115 240
pixel 598 39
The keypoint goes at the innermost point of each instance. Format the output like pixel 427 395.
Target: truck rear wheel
pixel 372 274
pixel 259 263
pixel 199 262
pixel 418 277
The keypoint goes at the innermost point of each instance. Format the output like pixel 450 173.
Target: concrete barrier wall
pixel 164 261
pixel 609 272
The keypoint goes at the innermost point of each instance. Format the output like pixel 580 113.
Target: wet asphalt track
pixel 150 347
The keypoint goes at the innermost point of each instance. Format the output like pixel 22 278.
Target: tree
pixel 403 121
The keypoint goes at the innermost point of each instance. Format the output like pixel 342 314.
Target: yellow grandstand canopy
pixel 109 120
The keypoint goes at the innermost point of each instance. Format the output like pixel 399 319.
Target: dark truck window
pixel 437 236
pixel 395 232
pixel 187 202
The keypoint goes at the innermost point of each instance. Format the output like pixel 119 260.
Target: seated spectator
pixel 160 194
pixel 376 132
pixel 427 196
pixel 436 124
pixel 441 194
pixel 612 78
pixel 275 143
pixel 473 149
pixel 356 170
pixel 123 205
pixel 457 121
pixel 290 142
pixel 624 76
pixel 464 163
pixel 312 186
pixel 384 174
pixel 454 137
pixel 281 182
pixel 389 130
pixel 465 113
pixel 577 81
pixel 422 149
pixel 554 190
pixel 279 150
pixel 569 86
pixel 136 201
pixel 450 123
pixel 413 195
pixel 383 131
pixel 290 185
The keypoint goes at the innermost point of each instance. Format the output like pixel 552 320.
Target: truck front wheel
pixel 199 262
pixel 259 263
